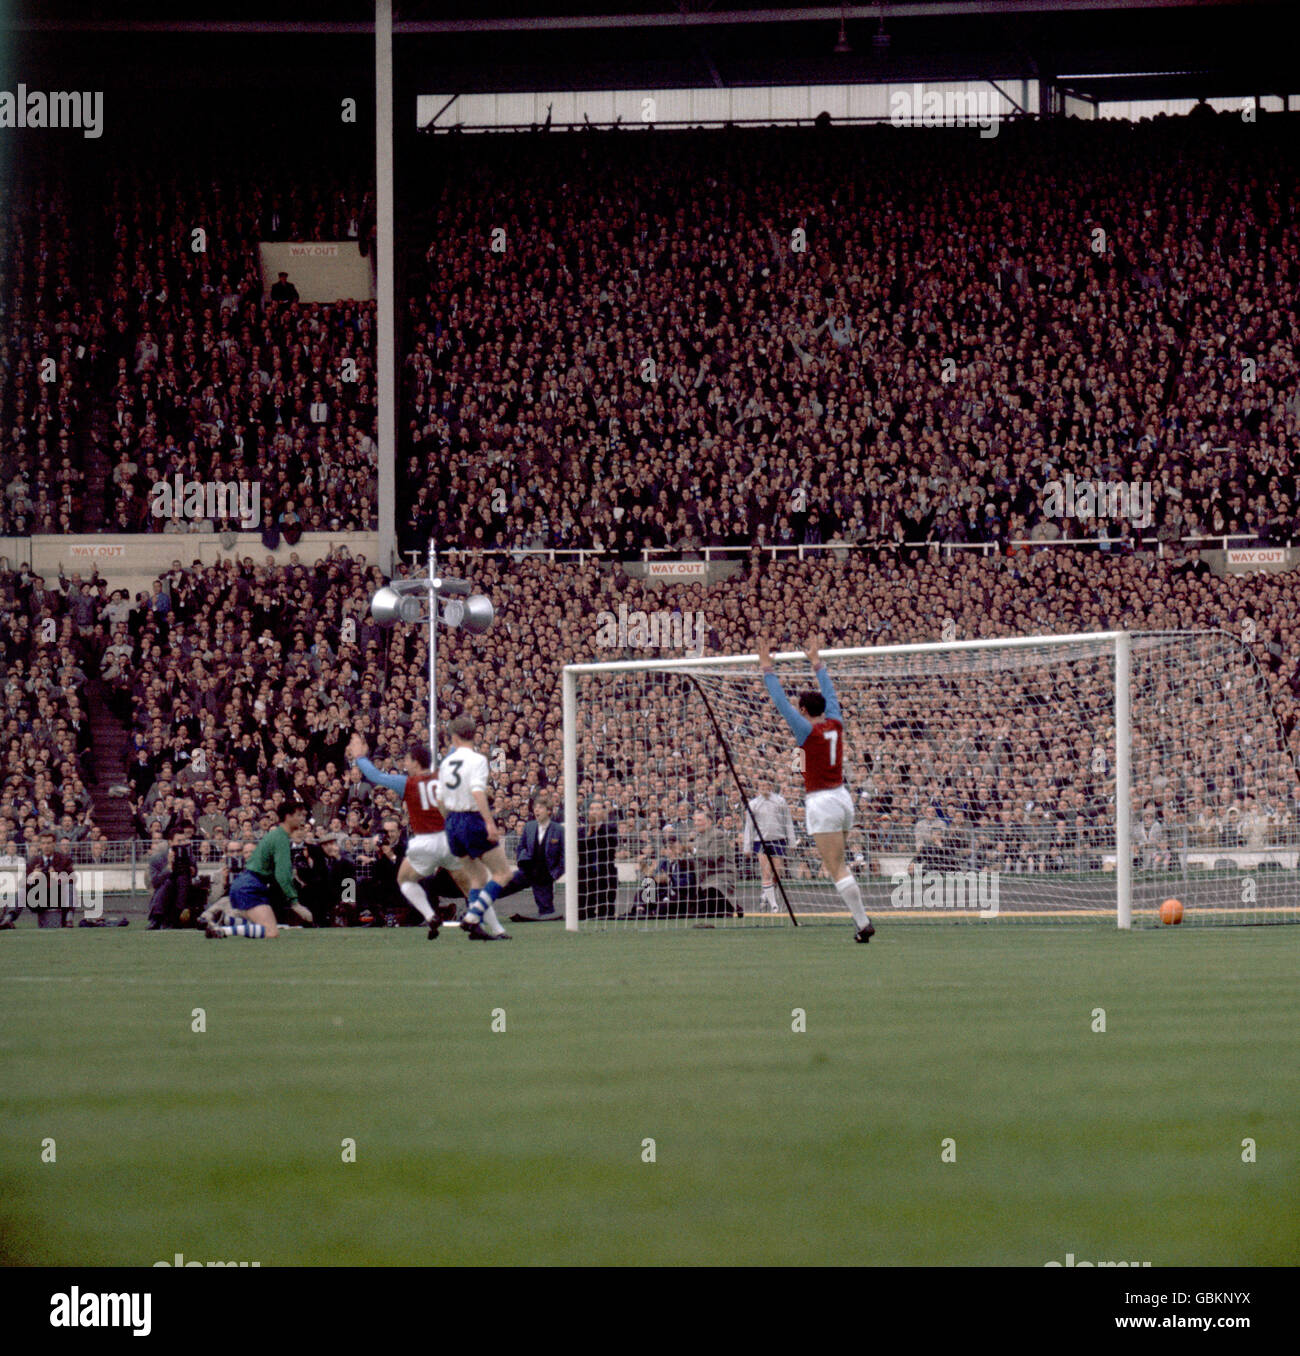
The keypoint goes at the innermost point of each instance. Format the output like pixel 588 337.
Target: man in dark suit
pixel 54 893
pixel 597 871
pixel 284 290
pixel 540 859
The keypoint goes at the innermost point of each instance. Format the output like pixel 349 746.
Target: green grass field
pixel 771 1146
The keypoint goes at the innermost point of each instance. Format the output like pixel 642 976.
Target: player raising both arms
pixel 426 850
pixel 828 806
pixel 471 830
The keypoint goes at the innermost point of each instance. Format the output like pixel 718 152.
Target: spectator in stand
pixel 283 291
pixel 1150 838
pixel 149 320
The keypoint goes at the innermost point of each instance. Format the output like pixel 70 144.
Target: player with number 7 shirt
pixel 819 731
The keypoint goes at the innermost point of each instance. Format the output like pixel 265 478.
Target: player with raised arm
pixel 768 833
pixel 427 850
pixel 819 732
pixel 251 911
pixel 472 832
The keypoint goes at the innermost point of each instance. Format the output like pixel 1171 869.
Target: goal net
pixel 1044 780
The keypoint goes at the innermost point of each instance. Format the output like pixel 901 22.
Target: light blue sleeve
pixel 392 780
pixel 801 727
pixel 832 703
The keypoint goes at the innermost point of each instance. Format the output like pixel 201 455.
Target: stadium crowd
pixel 135 356
pixel 243 685
pixel 52 643
pixel 847 341
pixel 723 338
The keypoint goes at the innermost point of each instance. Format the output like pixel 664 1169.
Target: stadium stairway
pixel 95 463
pixel 93 503
pixel 109 754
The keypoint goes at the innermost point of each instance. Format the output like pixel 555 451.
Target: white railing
pixel 806 550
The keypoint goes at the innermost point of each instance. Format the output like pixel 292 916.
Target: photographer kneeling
pixel 329 884
pixel 179 892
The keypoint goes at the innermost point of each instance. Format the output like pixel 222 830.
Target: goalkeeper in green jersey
pixel 252 914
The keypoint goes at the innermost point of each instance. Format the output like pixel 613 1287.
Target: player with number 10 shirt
pixel 427 850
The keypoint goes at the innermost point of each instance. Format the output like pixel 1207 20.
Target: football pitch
pixel 371 1098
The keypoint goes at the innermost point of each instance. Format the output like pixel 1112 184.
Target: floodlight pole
pixel 433 652
pixel 385 304
pixel 395 602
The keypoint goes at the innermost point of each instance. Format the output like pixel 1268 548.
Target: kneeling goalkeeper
pixel 252 914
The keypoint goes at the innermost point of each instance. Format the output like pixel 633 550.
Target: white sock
pixel 852 896
pixel 491 923
pixel 413 892
pixel 769 898
pixel 241 927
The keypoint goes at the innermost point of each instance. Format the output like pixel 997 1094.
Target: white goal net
pixel 984 776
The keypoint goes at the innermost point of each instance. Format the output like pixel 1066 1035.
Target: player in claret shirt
pixel 819 732
pixel 427 849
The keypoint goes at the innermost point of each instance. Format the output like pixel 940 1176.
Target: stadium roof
pixel 1114 49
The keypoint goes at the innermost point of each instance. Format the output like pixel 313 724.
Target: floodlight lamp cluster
pixel 405 600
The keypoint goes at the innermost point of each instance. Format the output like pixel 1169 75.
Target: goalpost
pixel 1042 779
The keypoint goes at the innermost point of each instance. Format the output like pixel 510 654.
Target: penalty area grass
pixel 682 1097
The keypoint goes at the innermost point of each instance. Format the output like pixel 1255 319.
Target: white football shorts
pixel 428 852
pixel 829 811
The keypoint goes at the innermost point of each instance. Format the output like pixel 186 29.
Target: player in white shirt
pixel 772 838
pixel 472 831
